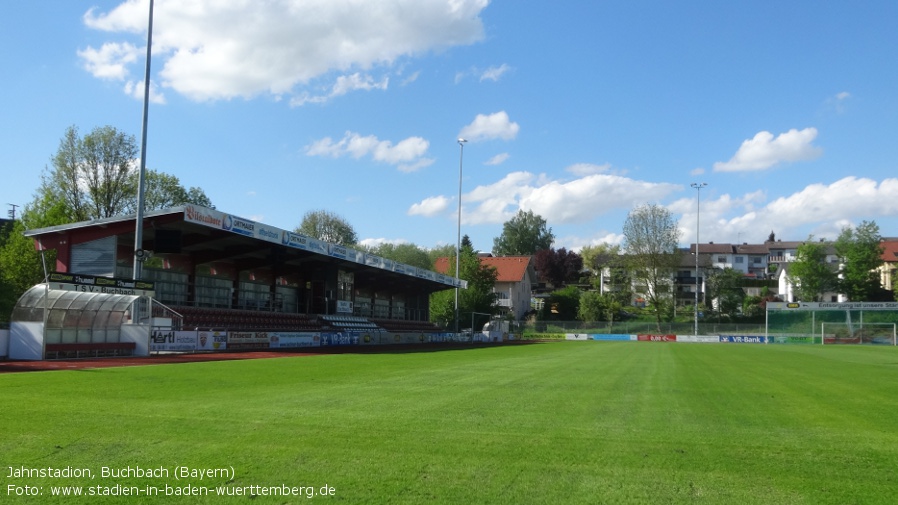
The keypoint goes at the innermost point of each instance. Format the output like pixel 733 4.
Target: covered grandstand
pixel 215 274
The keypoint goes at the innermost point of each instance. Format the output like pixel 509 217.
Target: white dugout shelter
pixel 53 321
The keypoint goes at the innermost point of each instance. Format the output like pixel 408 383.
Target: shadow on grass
pixel 243 354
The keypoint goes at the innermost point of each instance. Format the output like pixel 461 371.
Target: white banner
pixel 282 340
pixel 167 340
pixel 212 340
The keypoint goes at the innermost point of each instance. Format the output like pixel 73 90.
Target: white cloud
pixel 110 61
pixel 135 89
pixel 837 102
pixel 818 209
pixel 559 202
pixel 411 78
pixel 430 206
pixel 764 151
pixel 583 169
pixel 494 73
pixel 213 50
pixel 488 127
pixel 583 199
pixel 343 85
pixel 498 159
pixel 408 154
pixel 576 243
pixel 374 242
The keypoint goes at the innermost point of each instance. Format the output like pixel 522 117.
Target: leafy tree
pixel 725 287
pixel 162 191
pixel 327 226
pixel 478 297
pixel 596 257
pixel 410 254
pixel 609 272
pixel 20 267
pixel 562 305
pixel 860 251
pixel 595 306
pixel 651 239
pixel 443 251
pixel 558 267
pixel 523 235
pixel 93 175
pixel 809 273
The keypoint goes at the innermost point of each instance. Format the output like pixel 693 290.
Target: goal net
pixel 858 333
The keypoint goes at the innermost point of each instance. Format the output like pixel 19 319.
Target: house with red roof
pixel 889 261
pixel 515 278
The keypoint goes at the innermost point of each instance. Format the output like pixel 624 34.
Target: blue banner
pixel 339 338
pixel 610 337
pixel 743 339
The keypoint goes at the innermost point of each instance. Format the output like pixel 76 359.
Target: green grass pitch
pixel 566 422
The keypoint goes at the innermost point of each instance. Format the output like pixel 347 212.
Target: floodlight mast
pixel 698 191
pixel 139 253
pixel 461 156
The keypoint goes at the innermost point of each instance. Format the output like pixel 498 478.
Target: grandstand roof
pixel 208 236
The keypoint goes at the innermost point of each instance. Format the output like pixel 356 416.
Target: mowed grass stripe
pixel 568 422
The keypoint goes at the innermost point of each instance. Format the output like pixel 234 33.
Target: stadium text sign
pixel 94 284
pixel 832 306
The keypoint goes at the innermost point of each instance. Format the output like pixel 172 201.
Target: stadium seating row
pixel 401 325
pixel 244 320
pixel 205 318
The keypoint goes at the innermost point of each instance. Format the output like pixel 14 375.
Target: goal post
pixel 858 333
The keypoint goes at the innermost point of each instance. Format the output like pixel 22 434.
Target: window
pixel 721 259
pixel 739 260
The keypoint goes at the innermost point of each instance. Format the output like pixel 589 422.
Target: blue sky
pixel 576 110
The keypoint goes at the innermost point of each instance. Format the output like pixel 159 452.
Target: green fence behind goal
pixel 833 323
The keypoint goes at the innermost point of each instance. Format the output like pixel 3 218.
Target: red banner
pixel 656 338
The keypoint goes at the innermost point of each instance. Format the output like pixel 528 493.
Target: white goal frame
pixel 859 327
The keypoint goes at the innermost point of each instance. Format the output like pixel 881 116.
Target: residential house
pixel 889 261
pixel 785 256
pixel 687 280
pixel 515 278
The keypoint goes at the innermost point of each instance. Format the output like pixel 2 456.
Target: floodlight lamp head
pixel 699 185
pixel 461 140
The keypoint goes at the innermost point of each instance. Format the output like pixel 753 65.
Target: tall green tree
pixel 811 276
pixel 409 254
pixel 523 235
pixel 651 244
pixel 93 175
pixel 162 191
pixel 608 271
pixel 20 266
pixel 327 226
pixel 860 252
